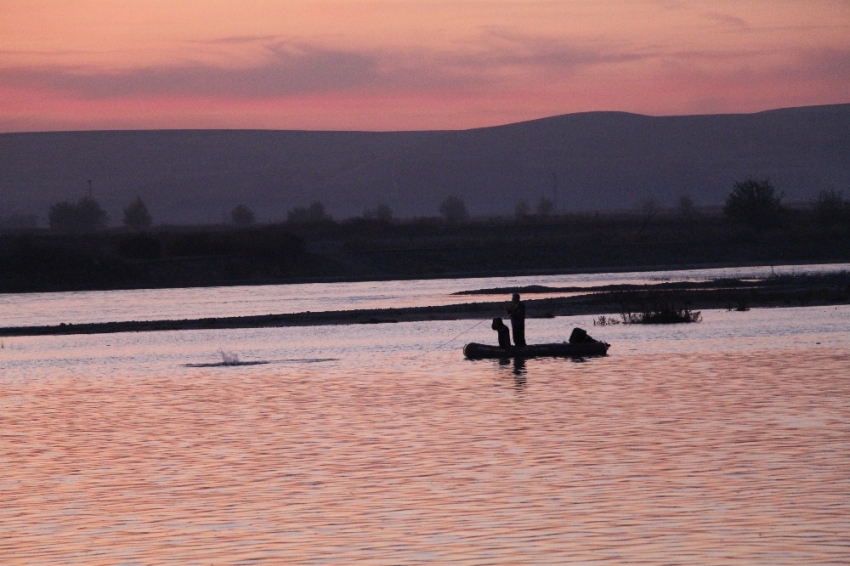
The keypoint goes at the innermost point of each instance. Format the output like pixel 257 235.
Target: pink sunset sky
pixel 402 65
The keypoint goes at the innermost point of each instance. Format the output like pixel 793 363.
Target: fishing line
pixel 452 340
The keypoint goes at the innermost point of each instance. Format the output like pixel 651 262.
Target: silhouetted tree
pixel 308 215
pixel 241 215
pixel 753 203
pixel 545 207
pixel 84 216
pixel 136 215
pixel 831 208
pixel 382 213
pixel 454 210
pixel 522 210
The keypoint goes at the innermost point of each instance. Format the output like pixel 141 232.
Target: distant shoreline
pixel 423 249
pixel 780 291
pixel 486 274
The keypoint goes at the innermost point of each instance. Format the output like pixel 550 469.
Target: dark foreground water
pixel 723 442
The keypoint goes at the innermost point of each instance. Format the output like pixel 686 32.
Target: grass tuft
pixel 657 309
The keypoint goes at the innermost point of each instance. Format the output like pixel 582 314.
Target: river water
pixel 722 442
pixel 34 309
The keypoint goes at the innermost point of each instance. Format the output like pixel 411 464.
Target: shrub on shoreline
pixel 656 309
pixel 666 314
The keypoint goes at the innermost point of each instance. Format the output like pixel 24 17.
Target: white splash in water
pixel 228 358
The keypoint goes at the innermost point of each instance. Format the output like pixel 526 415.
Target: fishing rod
pixel 448 341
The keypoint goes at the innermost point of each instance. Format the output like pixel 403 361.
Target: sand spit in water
pixel 810 290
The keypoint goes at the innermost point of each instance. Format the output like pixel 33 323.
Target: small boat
pixel 475 351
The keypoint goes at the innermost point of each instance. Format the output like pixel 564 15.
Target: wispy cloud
pixel 294 70
pixel 820 64
pixel 237 39
pixel 495 77
pixel 505 49
pixel 288 72
pixel 732 22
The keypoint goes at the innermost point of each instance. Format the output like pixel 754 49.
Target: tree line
pixel 752 203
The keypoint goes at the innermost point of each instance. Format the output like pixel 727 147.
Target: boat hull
pixel 475 351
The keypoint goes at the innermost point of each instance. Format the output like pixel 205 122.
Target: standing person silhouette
pixel 516 309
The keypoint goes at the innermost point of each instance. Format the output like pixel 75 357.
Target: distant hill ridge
pixel 584 162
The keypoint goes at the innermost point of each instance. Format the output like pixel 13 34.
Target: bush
pixel 136 215
pixel 662 314
pixel 603 320
pixel 652 308
pixel 241 215
pixel 84 216
pixel 753 203
pixel 454 210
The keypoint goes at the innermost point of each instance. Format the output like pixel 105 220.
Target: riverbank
pixel 781 291
pixel 180 257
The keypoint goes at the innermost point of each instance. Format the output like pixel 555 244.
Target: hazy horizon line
pixel 353 131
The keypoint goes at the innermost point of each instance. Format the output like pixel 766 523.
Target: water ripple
pixel 708 457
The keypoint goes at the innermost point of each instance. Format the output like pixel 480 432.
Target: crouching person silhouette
pixel 504 333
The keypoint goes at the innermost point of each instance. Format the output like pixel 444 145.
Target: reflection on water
pixel 517 366
pixel 257 363
pixel 34 309
pixel 227 364
pixel 722 442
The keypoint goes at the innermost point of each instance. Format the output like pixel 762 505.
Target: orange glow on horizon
pixel 394 65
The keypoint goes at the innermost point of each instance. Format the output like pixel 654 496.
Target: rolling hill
pixel 584 162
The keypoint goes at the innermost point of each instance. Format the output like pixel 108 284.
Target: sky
pixel 409 64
